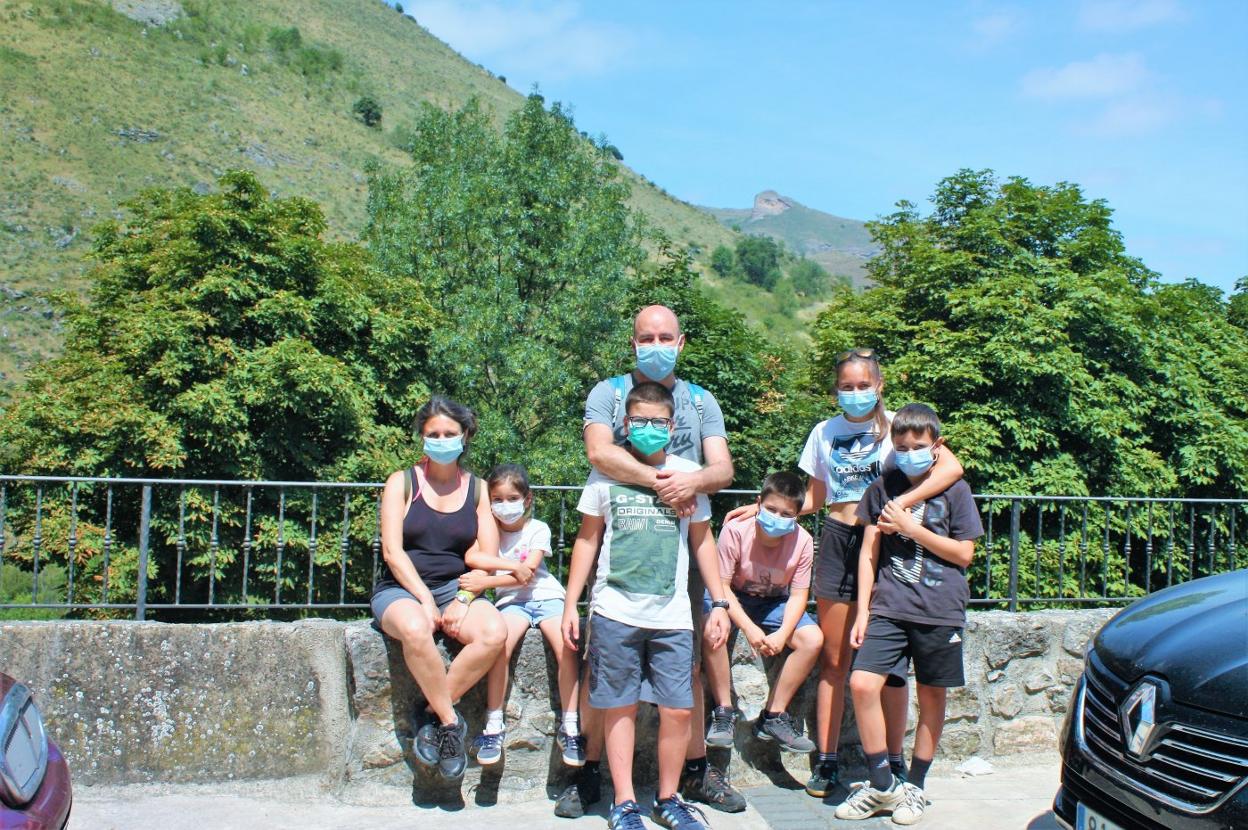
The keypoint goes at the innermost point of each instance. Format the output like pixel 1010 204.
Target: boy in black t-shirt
pixel 916 562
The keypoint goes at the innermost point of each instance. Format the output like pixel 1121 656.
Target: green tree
pixel 723 260
pixel 1237 312
pixel 368 110
pixel 524 244
pixel 810 279
pixel 759 260
pixel 224 338
pixel 1057 361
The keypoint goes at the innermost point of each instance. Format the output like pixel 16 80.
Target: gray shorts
pixel 443 595
pixel 622 655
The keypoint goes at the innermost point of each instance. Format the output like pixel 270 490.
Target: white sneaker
pixel 913 803
pixel 865 801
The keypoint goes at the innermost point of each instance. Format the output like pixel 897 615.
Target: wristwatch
pixel 720 603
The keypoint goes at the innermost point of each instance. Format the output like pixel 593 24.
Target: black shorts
pixel 936 650
pixel 836 565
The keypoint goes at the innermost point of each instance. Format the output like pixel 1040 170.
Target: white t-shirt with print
pixel 516 545
pixel 643 564
pixel 847 456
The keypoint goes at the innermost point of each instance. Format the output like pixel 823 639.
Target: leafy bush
pixel 723 260
pixel 758 258
pixel 285 40
pixel 316 60
pixel 367 110
pixel 16 587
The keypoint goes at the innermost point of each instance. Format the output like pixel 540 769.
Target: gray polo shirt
pixel 601 408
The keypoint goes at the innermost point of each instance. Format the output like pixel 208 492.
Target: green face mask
pixel 649 439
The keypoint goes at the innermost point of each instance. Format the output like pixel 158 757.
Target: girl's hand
pixel 474 581
pixel 522 572
pixel 858 634
pixel 717 628
pixel 745 511
pixel 773 644
pixel 571 627
pixel 453 618
pixel 898 518
pixel 756 637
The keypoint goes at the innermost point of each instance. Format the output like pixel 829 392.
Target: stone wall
pixel 135 702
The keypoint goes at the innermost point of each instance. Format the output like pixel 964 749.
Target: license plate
pixel 1088 819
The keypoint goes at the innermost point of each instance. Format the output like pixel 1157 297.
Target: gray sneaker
pixel 780 729
pixel 723 727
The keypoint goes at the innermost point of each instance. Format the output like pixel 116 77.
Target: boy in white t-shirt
pixel 528 597
pixel 641 620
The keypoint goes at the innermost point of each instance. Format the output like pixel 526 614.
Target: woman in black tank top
pixel 435 526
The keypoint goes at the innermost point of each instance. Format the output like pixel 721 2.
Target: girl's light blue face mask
pixel 857 403
pixel 915 462
pixel 774 525
pixel 444 450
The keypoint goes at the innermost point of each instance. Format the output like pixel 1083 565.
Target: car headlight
pixel 23 747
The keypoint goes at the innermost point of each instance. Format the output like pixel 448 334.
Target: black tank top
pixel 436 542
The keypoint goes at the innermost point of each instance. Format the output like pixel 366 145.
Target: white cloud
pixel 1126 15
pixel 547 41
pixel 1104 76
pixel 1130 118
pixel 996 27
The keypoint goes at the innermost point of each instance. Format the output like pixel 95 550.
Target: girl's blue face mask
pixel 915 462
pixel 857 403
pixel 774 525
pixel 444 450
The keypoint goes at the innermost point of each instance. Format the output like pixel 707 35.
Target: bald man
pixel 698 435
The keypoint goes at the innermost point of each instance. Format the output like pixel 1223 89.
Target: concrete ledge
pixel 142 702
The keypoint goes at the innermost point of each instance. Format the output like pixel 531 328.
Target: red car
pixel 34 778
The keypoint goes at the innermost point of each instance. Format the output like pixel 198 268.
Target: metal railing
pixel 184 548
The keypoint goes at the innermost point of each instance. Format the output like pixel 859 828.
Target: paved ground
pixel 1015 796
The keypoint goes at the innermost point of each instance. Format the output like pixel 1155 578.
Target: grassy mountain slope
pixel 95 106
pixel 841 245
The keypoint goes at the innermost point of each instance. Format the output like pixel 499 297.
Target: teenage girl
pixel 528 597
pixel 842 456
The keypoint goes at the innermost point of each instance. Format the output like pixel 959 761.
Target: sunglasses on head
pixel 866 354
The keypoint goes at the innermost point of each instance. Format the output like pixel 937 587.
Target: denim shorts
pixel 535 611
pixel 765 612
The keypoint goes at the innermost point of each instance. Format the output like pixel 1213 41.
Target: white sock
pixel 493 722
pixel 571 723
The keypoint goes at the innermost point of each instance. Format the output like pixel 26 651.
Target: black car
pixel 1156 735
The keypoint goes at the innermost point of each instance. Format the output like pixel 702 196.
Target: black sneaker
pixel 712 789
pixel 586 792
pixel 824 778
pixel 780 730
pixel 678 814
pixel 452 759
pixel 625 816
pixel 722 730
pixel 425 747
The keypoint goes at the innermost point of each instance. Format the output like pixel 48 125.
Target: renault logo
pixel 1139 717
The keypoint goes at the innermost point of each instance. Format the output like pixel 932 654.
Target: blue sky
pixel 848 107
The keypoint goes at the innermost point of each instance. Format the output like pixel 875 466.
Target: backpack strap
pixel 410 490
pixel 617 384
pixel 698 393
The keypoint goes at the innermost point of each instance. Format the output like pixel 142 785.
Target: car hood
pixel 1194 635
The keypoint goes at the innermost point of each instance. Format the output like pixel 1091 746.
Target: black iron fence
pixel 188 549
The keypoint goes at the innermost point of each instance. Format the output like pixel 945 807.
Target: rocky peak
pixel 770 203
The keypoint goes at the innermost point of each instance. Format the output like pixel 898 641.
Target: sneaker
pixel 678 814
pixel 780 729
pixel 722 729
pixel 490 748
pixel 824 778
pixel 451 756
pixel 586 792
pixel 425 746
pixel 572 747
pixel 913 803
pixel 625 816
pixel 712 789
pixel 865 801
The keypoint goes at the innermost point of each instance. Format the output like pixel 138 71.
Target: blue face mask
pixel 656 362
pixel 444 450
pixel 859 403
pixel 649 439
pixel 774 525
pixel 915 462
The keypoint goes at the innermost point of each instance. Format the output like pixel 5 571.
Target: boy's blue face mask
pixel 649 439
pixel 857 403
pixel 656 362
pixel 444 450
pixel 774 525
pixel 915 462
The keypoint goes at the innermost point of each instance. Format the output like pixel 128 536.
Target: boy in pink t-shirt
pixel 765 563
